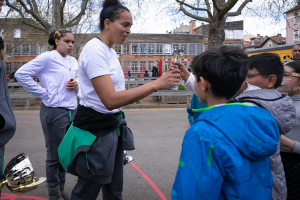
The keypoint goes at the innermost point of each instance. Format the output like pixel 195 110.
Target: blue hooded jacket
pixel 225 154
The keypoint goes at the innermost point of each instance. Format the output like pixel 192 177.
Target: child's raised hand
pixel 184 73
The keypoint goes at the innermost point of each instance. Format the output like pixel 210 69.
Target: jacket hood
pixel 251 129
pixel 279 105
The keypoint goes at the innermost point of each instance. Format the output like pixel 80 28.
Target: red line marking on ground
pixel 161 195
pixel 28 123
pixel 17 196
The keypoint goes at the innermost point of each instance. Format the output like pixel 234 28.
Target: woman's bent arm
pixel 111 99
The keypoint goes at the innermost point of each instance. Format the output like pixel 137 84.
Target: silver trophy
pixel 19 175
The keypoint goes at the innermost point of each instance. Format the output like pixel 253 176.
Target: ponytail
pixel 56 35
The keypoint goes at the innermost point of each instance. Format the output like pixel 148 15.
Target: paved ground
pixel 158 135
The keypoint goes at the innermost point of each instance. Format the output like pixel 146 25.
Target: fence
pixel 21 97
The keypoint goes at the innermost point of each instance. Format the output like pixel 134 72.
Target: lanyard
pixel 99 39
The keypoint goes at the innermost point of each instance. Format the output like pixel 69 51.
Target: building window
pixel 8 49
pixel 117 48
pixel 296 18
pixel 192 49
pixel 151 48
pixel 143 64
pixel 252 42
pixel 33 49
pixel 42 48
pixel 296 34
pixel 134 48
pixel 151 64
pixel 175 47
pixel 25 49
pixel 167 65
pixel 17 50
pixel 270 44
pixel 183 47
pixel 8 66
pixel 143 48
pixel 199 48
pixel 134 64
pixel 2 33
pixel 159 48
pixel 126 49
pixel 168 49
pixel 17 33
pixel 126 63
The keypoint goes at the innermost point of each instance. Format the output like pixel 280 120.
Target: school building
pixel 140 52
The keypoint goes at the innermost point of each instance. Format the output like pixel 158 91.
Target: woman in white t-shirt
pixel 56 71
pixel 99 130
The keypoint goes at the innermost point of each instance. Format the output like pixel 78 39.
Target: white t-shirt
pixel 97 59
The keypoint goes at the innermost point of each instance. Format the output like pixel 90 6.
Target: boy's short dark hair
pixel 224 67
pixel 267 64
pixel 295 65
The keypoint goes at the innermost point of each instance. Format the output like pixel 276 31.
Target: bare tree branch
pixel 193 16
pixel 225 9
pixel 77 18
pixel 194 8
pixel 216 6
pixel 29 3
pixel 62 6
pixel 34 26
pixel 33 5
pixel 239 10
pixel 23 17
pixel 35 15
pixel 208 5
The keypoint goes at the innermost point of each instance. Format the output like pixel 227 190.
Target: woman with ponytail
pixel 56 70
pixel 93 147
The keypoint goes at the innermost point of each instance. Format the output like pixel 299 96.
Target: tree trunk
pixel 216 32
pixel 216 27
pixel 56 18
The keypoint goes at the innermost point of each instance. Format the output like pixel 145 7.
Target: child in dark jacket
pixel 225 153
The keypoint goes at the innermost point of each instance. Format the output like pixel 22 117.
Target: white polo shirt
pixel 97 59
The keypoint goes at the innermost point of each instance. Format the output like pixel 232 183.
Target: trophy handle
pixel 2 184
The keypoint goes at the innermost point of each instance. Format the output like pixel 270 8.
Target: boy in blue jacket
pixel 225 154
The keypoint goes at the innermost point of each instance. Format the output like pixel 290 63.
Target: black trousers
pixel 291 164
pixel 89 190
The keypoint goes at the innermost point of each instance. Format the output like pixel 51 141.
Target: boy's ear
pixel 272 79
pixel 205 85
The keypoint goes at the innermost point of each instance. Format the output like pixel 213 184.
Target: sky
pixel 157 20
pixel 156 17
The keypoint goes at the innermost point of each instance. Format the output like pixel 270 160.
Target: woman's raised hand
pixel 169 79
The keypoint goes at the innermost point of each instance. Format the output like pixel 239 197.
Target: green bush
pixel 181 87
